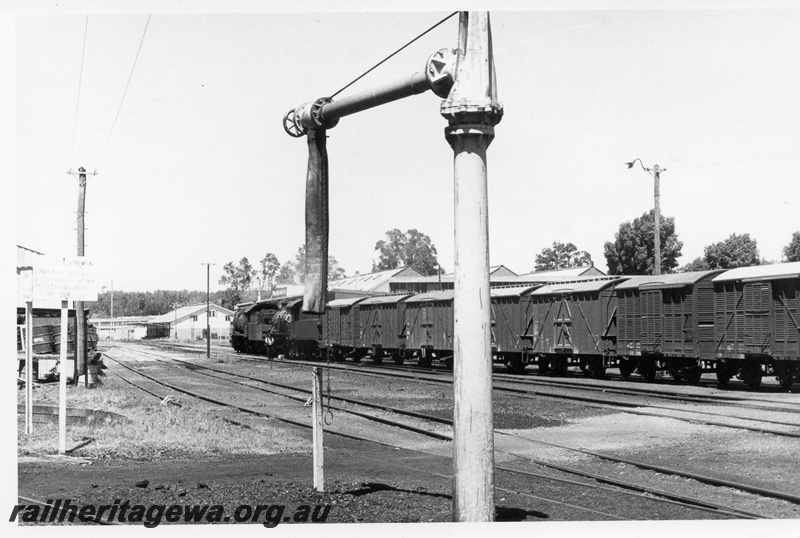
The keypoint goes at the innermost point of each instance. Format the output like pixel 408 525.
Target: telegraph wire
pixel 365 73
pixel 80 82
pixel 124 93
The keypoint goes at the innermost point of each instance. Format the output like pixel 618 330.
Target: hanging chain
pixel 328 412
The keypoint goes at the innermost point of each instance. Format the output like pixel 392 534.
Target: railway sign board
pixel 59 278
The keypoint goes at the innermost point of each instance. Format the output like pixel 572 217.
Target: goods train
pixel 742 322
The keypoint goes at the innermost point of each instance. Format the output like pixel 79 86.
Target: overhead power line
pixel 739 161
pixel 124 93
pixel 80 82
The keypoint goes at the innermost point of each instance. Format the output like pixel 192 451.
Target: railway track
pixel 213 372
pixel 600 397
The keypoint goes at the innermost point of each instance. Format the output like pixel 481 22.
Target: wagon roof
pixel 385 299
pixel 673 280
pixel 762 272
pixel 345 303
pixel 444 295
pixel 575 287
pixel 512 291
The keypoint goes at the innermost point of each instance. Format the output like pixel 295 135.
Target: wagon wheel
pixel 425 361
pixel 647 369
pixel 515 366
pixel 560 365
pixel 751 374
pixel 356 356
pixel 377 356
pixel 398 359
pixel 596 368
pixel 693 375
pixel 543 365
pixel 724 373
pixel 626 368
pixel 784 374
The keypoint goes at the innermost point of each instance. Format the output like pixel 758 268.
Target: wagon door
pixel 562 327
pixel 786 302
pixel 650 326
pixel 757 332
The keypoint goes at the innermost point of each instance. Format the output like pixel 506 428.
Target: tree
pixel 792 251
pixel 735 251
pixel 698 264
pixel 238 278
pixel 561 256
pixel 412 248
pixel 269 268
pixel 292 271
pixel 632 252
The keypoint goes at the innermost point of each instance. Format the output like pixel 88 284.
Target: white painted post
pixel 316 414
pixel 62 380
pixel 29 367
pixel 472 111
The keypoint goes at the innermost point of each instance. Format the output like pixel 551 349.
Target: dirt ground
pixel 368 482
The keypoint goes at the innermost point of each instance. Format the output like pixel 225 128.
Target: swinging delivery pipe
pixel 324 113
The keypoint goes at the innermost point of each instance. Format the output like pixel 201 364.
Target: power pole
pixel 80 319
pixel 112 299
pixel 208 308
pixel 472 111
pixel 656 173
pixel 657 195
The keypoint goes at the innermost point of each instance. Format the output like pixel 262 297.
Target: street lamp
pixel 656 173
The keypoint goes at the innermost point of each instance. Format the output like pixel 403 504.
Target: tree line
pixel 630 253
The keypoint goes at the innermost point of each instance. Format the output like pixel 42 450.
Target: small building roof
pixel 762 272
pixel 186 311
pixel 671 280
pixel 371 281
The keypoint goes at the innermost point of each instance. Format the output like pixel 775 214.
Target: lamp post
pixel 656 173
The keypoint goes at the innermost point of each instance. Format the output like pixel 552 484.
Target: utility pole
pixel 208 308
pixel 80 319
pixel 112 299
pixel 472 111
pixel 656 173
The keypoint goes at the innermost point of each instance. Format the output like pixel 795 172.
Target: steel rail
pixel 700 478
pixel 632 408
pixel 673 498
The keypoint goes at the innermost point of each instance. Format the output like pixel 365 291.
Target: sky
pixel 180 114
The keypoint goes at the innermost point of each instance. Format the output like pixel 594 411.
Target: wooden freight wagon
pixel 383 326
pixel 511 319
pixel 576 324
pixel 757 322
pixel 428 323
pixel 341 329
pixel 666 322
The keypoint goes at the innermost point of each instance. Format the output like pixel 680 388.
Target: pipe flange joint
pixel 441 71
pixel 318 118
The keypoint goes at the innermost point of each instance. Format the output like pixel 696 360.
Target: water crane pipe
pixel 324 113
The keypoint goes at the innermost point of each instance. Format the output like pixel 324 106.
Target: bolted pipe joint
pixel 441 71
pixel 307 116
